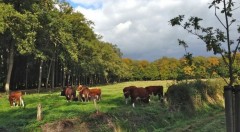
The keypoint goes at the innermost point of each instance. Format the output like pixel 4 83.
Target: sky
pixel 141 29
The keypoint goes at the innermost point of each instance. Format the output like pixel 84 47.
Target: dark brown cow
pixel 139 93
pixel 16 99
pixel 95 93
pixel 126 92
pixel 70 94
pixel 155 90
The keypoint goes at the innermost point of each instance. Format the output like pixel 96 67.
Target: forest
pixel 47 44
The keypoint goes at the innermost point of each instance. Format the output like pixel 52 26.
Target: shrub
pixel 188 97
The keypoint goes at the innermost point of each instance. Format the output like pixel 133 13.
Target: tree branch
pixel 235 51
pixel 225 80
pixel 219 18
pixel 224 59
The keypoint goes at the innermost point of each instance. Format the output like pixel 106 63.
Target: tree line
pixel 167 68
pixel 44 43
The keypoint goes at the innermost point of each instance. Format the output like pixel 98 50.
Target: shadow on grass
pixel 15 119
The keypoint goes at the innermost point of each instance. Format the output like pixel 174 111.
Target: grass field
pixel 114 114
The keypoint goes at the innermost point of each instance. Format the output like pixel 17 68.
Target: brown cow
pixel 80 87
pixel 155 90
pixel 126 92
pixel 140 93
pixel 95 93
pixel 15 98
pixel 70 94
pixel 83 93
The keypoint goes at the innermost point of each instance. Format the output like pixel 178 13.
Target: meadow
pixel 113 114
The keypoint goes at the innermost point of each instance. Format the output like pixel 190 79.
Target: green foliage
pixel 167 68
pixel 151 72
pixel 6 11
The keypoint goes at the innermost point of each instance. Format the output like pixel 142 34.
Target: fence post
pixel 95 104
pixel 237 108
pixel 228 95
pixel 39 112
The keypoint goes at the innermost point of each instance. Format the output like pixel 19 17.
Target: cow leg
pixel 160 98
pixel 126 100
pixel 97 98
pixel 133 105
pixel 67 98
pixel 72 98
pixel 12 102
pixel 18 102
pixel 133 102
pixel 90 97
pixel 21 102
pixel 87 98
pixel 83 98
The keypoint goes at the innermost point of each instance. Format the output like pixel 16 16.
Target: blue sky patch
pixel 93 6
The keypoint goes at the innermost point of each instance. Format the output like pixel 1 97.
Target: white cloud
pixel 141 29
pixel 123 27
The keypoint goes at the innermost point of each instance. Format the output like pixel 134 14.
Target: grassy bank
pixel 114 114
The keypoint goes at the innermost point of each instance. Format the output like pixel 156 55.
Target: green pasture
pixel 114 114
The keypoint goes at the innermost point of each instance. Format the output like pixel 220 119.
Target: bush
pixel 189 97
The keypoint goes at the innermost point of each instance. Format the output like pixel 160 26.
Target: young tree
pixel 221 42
pixel 216 40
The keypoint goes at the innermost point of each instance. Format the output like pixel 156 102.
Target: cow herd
pixel 85 94
pixel 82 93
pixel 142 94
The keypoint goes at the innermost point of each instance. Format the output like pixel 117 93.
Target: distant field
pixel 114 114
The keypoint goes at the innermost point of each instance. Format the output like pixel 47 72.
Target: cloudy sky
pixel 141 29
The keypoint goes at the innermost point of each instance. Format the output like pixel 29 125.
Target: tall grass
pixel 114 115
pixel 195 95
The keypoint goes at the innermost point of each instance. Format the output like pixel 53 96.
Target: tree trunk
pixel 68 79
pixel 64 76
pixel 237 108
pixel 49 70
pixel 53 71
pixel 40 76
pixel 10 66
pixel 229 112
pixel 26 80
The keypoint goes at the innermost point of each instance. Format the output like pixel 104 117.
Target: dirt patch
pixel 67 125
pixel 94 122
